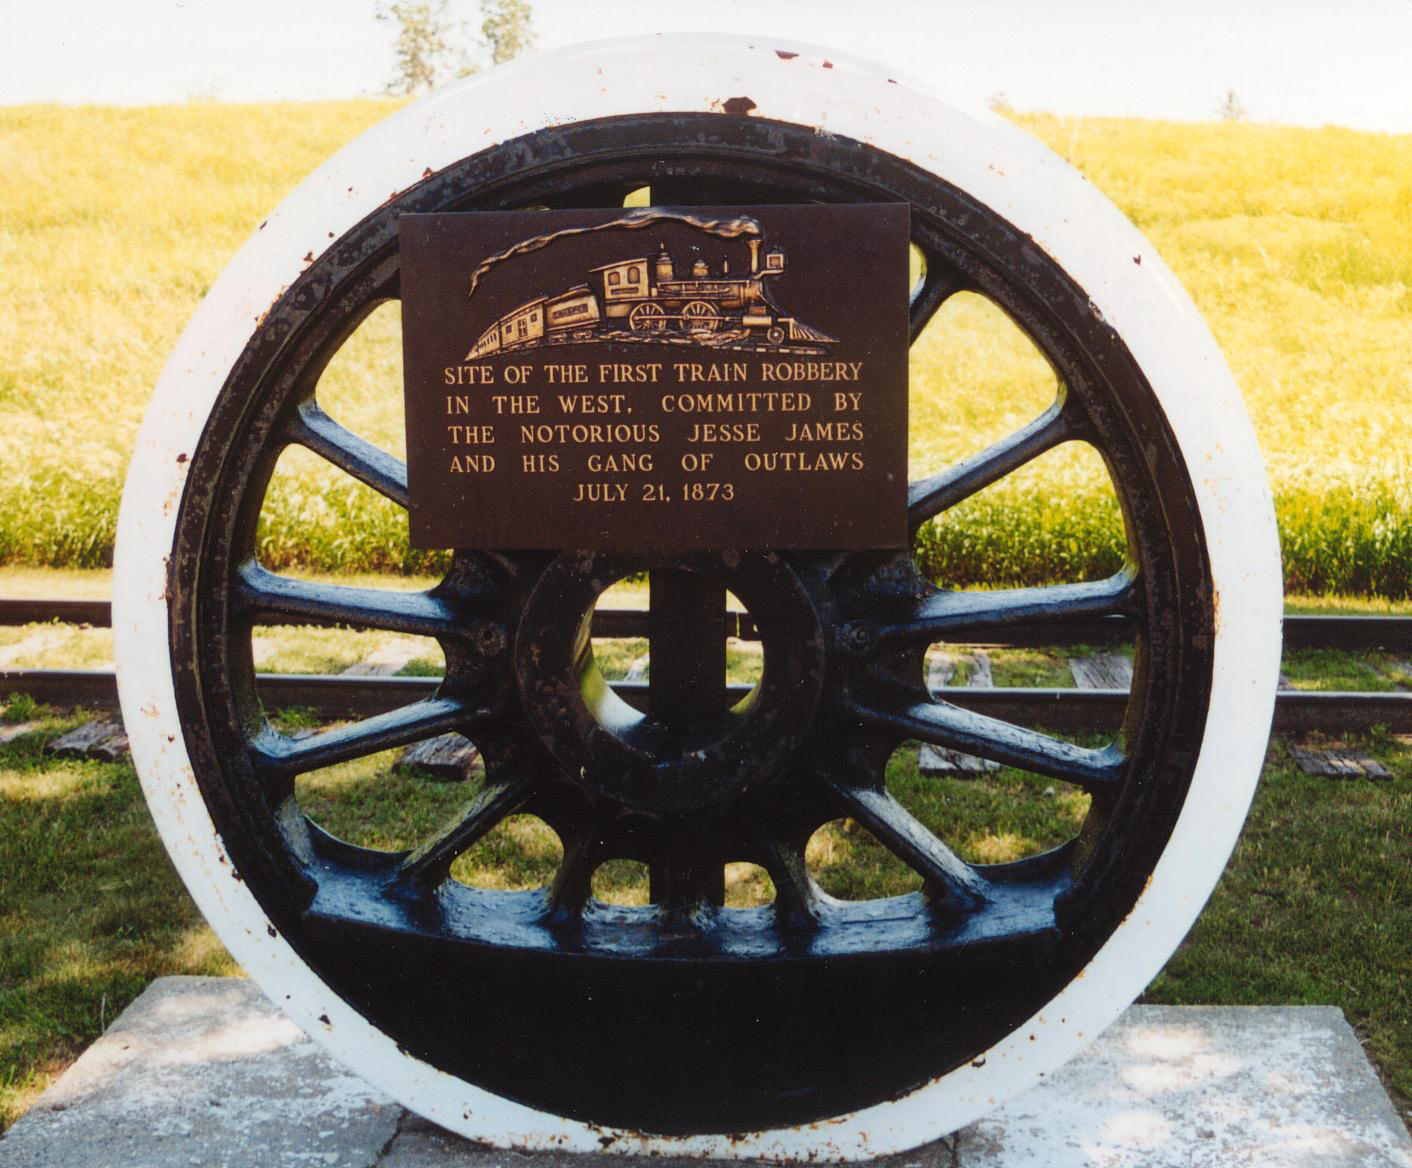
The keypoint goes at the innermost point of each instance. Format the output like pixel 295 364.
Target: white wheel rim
pixel 974 151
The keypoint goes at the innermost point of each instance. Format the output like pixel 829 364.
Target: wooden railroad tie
pixel 941 668
pixel 105 741
pixel 37 643
pixel 1102 671
pixel 449 757
pixel 12 730
pixel 388 659
pixel 1338 763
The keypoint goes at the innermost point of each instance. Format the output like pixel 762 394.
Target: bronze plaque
pixel 657 379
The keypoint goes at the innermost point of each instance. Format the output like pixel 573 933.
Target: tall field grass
pixel 1296 245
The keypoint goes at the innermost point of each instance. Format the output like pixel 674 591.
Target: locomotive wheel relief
pixel 545 1018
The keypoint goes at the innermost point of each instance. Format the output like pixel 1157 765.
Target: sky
pixel 1298 62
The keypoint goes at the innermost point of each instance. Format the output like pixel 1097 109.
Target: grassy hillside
pixel 1295 244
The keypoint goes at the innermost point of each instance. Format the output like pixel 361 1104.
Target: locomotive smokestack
pixel 754 256
pixel 665 270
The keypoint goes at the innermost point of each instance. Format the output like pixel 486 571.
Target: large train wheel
pixel 546 1019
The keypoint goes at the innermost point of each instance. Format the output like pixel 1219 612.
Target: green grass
pixel 1333 669
pixel 995 818
pixel 1296 245
pixel 90 909
pixel 1316 907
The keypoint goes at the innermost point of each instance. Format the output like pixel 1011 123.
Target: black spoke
pixel 267 598
pixel 686 876
pixel 278 756
pixel 962 616
pixel 573 882
pixel 943 724
pixel 796 892
pixel 943 490
pixel 355 456
pixel 938 286
pixel 949 879
pixel 430 864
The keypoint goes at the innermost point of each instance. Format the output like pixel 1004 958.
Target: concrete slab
pixel 1203 1087
pixel 204 1072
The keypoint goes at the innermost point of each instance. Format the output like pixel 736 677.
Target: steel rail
pixel 1301 632
pixel 1070 710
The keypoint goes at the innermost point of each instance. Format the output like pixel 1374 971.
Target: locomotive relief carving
pixel 646 299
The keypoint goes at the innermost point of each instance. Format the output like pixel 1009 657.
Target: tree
pixel 1230 108
pixel 423 49
pixel 431 48
pixel 507 28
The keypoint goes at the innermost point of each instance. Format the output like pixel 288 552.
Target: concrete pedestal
pixel 204 1073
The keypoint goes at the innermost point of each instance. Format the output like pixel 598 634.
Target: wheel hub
pixel 692 746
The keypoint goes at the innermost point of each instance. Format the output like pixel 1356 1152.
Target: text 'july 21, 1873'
pixel 658 379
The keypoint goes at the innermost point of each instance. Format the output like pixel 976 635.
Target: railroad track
pixel 1073 710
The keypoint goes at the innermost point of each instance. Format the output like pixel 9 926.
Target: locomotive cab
pixel 621 283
